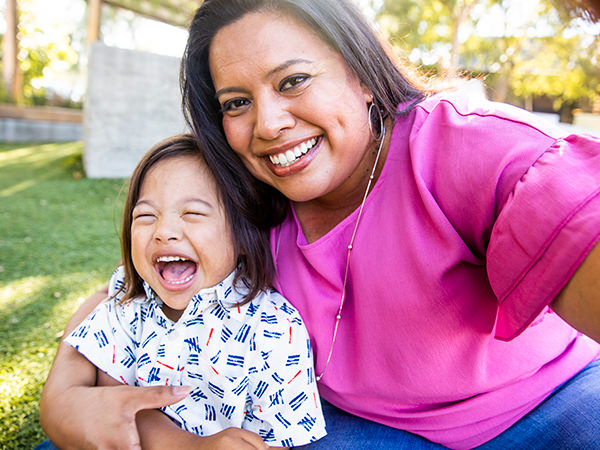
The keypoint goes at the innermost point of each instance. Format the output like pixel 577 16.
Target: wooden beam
pixel 94 15
pixel 45 113
pixel 173 12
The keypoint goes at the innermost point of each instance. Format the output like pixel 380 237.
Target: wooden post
pixel 10 66
pixel 94 13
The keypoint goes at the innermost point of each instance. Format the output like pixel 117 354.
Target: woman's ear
pixel 366 93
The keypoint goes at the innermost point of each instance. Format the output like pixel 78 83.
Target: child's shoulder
pixel 272 300
pixel 273 308
pixel 116 293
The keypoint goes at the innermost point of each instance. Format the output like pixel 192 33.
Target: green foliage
pixel 546 52
pixel 39 51
pixel 58 245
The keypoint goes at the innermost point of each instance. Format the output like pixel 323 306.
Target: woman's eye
pixel 234 105
pixel 293 81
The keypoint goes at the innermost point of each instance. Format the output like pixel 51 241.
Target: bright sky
pixel 61 15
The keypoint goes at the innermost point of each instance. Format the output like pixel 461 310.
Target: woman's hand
pixel 106 416
pixel 77 415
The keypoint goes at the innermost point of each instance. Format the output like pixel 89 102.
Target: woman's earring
pixel 375 115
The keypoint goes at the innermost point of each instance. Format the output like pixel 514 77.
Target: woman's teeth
pixel 284 159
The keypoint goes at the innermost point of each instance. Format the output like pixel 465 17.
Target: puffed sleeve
pixel 549 223
pixel 520 192
pixel 107 336
pixel 286 409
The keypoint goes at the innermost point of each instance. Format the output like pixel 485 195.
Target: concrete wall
pixel 39 124
pixel 23 130
pixel 588 121
pixel 133 101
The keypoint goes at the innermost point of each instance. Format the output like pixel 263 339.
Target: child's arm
pixel 157 431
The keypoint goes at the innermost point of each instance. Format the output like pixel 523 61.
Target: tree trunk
pixel 10 66
pixel 93 25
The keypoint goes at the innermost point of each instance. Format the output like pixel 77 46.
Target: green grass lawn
pixel 58 245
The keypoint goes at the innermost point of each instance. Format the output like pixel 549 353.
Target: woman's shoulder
pixel 468 108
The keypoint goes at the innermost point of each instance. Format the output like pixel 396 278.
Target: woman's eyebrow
pixel 287 64
pixel 271 72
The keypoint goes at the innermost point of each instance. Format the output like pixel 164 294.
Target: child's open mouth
pixel 175 270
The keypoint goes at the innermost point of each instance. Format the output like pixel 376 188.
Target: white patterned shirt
pixel 250 366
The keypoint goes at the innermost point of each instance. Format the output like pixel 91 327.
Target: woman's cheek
pixel 239 138
pixel 234 134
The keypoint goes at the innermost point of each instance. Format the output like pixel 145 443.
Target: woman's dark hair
pixel 338 22
pixel 250 244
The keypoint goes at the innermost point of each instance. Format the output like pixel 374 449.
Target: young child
pixel 191 305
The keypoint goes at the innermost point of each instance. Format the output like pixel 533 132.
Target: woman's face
pixel 292 108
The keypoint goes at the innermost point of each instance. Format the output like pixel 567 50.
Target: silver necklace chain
pixel 338 317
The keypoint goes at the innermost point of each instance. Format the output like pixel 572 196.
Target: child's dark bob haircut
pixel 250 244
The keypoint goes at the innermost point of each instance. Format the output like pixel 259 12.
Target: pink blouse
pixel 480 216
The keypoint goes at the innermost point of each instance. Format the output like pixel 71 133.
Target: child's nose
pixel 167 230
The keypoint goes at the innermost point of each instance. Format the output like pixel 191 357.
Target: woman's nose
pixel 271 118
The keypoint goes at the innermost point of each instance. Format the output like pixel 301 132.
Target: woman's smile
pixel 291 156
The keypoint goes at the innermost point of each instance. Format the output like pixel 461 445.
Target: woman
pixel 430 242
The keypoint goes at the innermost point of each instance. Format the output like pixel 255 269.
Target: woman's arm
pixel 76 415
pixel 579 301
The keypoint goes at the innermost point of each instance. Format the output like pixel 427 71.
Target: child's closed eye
pixel 194 215
pixel 143 217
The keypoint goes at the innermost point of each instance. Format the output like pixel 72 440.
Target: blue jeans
pixel 569 419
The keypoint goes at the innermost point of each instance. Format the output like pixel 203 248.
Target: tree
pixel 430 32
pixel 523 54
pixel 11 87
pixel 37 51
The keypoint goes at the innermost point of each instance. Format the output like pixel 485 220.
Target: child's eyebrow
pixel 143 202
pixel 185 201
pixel 198 200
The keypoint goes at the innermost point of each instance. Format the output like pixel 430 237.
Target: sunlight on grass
pixel 58 245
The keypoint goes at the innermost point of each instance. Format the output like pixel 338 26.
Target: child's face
pixel 180 238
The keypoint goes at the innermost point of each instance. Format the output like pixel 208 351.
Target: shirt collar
pixel 223 293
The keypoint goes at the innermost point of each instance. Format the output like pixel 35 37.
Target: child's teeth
pixel 170 259
pixel 184 280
